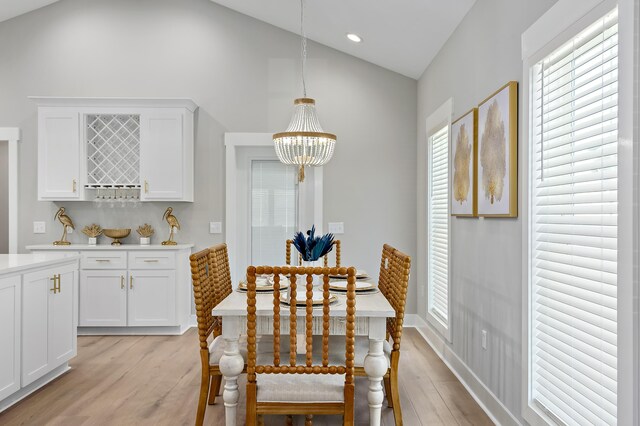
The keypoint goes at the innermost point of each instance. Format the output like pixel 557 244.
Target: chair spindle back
pixel 395 267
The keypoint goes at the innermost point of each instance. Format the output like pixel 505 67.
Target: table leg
pixel 375 365
pixel 231 366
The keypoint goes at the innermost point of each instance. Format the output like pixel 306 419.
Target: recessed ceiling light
pixel 354 37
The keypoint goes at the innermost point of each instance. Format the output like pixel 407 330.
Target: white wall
pixel 244 74
pixel 4 197
pixel 486 283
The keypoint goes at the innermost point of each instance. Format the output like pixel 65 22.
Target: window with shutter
pixel 438 226
pixel 573 228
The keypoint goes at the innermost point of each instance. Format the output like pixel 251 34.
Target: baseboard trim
pixel 491 405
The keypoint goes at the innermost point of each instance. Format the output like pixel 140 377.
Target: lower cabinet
pixel 152 298
pixel 133 298
pixel 49 326
pixel 9 336
pixel 103 298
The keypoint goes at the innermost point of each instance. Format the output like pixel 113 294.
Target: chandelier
pixel 304 143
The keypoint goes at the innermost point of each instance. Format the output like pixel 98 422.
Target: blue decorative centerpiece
pixel 313 248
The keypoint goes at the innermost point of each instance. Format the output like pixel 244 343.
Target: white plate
pixel 360 273
pixel 360 285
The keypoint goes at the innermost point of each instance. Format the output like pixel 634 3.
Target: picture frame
pixel 497 182
pixel 464 165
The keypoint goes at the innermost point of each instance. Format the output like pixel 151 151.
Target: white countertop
pixel 79 247
pixel 11 263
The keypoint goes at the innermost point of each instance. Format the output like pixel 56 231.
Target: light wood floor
pixel 154 380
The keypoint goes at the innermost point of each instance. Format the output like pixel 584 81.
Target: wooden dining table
pixel 372 311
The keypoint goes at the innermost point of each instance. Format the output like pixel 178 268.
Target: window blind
pixel 438 214
pixel 274 199
pixel 574 229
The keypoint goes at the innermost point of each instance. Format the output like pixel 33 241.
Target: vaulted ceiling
pixel 400 35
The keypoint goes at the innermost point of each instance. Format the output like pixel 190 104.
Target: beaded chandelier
pixel 304 143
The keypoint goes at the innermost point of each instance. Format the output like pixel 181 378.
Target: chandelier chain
pixel 304 48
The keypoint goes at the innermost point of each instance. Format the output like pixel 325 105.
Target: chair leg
pixel 308 420
pixel 349 391
pixel 251 397
pixel 214 389
pixel 395 394
pixel 204 391
pixel 387 390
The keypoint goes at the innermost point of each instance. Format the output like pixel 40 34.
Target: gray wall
pixel 4 197
pixel 486 283
pixel 244 74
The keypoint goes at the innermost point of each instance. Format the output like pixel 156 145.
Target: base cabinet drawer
pixel 152 260
pixel 103 298
pixel 103 260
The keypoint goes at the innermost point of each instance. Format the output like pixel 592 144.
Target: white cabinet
pixel 166 159
pixel 49 320
pixel 152 298
pixel 103 298
pixel 9 336
pixel 58 154
pixel 130 288
pixel 142 145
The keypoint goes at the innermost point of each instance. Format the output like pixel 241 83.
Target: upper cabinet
pixel 141 146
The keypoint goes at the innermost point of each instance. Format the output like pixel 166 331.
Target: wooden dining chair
pixel 326 256
pixel 393 282
pixel 297 385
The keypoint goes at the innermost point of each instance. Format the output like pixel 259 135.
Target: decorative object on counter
pixel 464 169
pixel 116 235
pixel 145 231
pixel 498 153
pixel 92 231
pixel 173 223
pixel 312 248
pixel 66 222
pixel 304 143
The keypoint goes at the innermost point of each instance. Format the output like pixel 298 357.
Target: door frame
pixel 232 142
pixel 12 136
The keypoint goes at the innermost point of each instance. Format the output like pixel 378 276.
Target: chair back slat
pixel 393 282
pixel 203 294
pixel 308 366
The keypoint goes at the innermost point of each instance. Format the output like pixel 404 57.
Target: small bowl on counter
pixel 116 235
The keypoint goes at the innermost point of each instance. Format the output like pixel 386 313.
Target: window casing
pixel 572 324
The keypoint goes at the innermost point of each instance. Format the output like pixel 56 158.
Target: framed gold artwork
pixel 498 153
pixel 464 169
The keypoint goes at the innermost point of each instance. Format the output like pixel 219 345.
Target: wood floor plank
pixel 154 380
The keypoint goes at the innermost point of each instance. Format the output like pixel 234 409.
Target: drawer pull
pixel 103 260
pixel 151 260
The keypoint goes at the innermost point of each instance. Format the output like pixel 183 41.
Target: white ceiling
pixel 400 35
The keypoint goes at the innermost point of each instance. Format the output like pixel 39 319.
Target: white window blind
pixel 274 200
pixel 574 228
pixel 438 225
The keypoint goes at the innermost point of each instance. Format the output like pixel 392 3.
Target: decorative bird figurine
pixel 66 222
pixel 173 223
